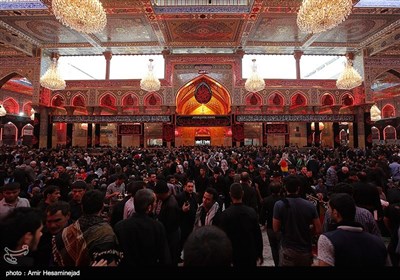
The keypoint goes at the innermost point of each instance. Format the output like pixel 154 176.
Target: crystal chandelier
pixel 32 114
pixel 52 78
pixel 375 113
pixel 255 82
pixel 3 111
pixel 317 16
pixel 150 83
pixel 86 16
pixel 349 78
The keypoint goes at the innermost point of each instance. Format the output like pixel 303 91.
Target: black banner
pixel 295 118
pixel 278 128
pixel 130 129
pixel 112 119
pixel 203 120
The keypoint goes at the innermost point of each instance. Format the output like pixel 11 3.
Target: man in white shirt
pixel 11 199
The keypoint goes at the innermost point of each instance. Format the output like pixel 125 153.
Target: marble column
pixel 108 56
pixel 45 122
pixel 70 128
pixel 89 135
pixel 335 126
pixel 36 128
pixel 297 56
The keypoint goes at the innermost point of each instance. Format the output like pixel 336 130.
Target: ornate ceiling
pixel 137 27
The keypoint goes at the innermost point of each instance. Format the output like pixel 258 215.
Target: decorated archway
pixel 205 103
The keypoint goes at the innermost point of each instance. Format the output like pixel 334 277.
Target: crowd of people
pixel 199 206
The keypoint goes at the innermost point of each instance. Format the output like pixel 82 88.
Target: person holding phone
pixel 187 202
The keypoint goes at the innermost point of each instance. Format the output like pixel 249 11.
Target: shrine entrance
pixel 203 114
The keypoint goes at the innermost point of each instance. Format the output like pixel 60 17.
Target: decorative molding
pixel 20 34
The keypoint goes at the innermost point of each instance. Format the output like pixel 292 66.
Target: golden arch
pixel 219 104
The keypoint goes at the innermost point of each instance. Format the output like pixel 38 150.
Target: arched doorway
pixel 204 105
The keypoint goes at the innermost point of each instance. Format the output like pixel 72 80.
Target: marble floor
pixel 268 261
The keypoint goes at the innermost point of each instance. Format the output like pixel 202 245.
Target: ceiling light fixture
pixel 3 111
pixel 317 16
pixel 375 113
pixel 150 83
pixel 86 16
pixel 52 78
pixel 349 78
pixel 254 83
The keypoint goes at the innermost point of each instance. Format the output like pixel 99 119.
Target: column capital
pixel 286 109
pixel 310 110
pixel 70 110
pixel 97 110
pixel 107 55
pixel 297 54
pixel 164 109
pixel 350 55
pixel 165 52
pixel 90 110
pixel 335 108
pixel 366 107
pixel 36 107
pixel 240 52
pixel 55 55
pixel 264 108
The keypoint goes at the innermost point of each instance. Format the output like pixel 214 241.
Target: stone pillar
pixel 49 132
pixel 309 134
pixel 355 135
pixel 360 133
pixel 70 127
pixel 97 135
pixel 287 140
pixel 317 137
pixel 44 124
pixel 367 127
pixel 36 128
pixel 141 139
pixel 297 57
pixel 108 56
pixel 89 135
pixel 336 136
pixel 264 135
